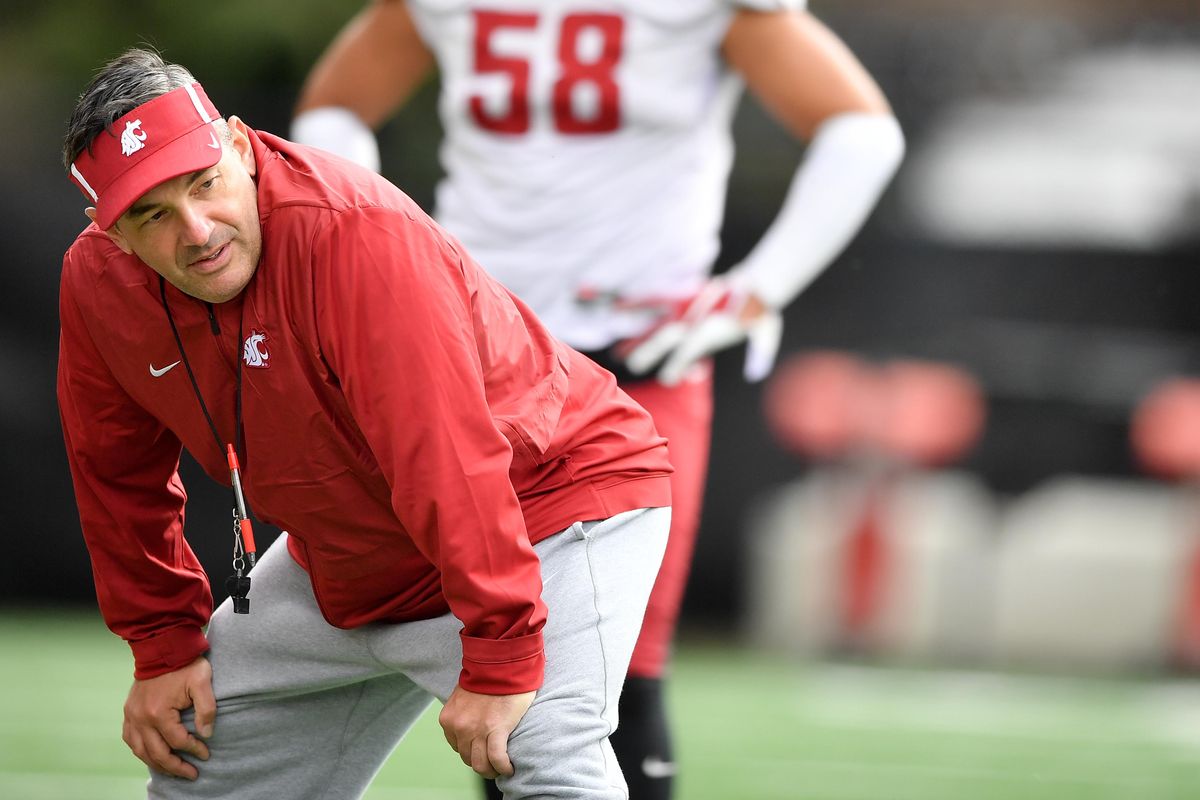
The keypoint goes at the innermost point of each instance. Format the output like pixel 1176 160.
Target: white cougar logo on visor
pixel 254 351
pixel 133 139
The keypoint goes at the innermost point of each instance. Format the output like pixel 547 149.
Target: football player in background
pixel 587 149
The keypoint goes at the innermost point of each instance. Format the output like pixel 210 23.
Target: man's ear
pixel 113 233
pixel 241 143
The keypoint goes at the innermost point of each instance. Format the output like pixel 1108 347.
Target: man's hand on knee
pixel 153 729
pixel 477 726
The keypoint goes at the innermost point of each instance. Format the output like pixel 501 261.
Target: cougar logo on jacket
pixel 254 351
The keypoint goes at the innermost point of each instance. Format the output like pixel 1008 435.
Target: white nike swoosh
pixel 158 373
pixel 215 145
pixel 657 768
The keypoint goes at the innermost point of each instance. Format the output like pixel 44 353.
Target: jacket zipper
pixel 215 326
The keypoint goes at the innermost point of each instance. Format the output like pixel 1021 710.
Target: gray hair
pixel 136 76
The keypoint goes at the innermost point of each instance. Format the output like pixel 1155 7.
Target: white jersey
pixel 587 148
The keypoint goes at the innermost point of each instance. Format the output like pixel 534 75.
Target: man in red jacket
pixel 474 511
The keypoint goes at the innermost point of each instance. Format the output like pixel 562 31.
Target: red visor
pixel 164 138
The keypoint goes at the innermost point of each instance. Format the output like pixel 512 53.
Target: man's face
pixel 200 231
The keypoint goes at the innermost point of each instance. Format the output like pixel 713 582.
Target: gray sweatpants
pixel 307 711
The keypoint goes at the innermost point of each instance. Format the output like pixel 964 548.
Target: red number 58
pixel 597 71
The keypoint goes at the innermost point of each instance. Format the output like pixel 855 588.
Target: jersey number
pixel 596 70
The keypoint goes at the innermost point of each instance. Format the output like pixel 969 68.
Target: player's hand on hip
pixel 477 726
pixel 720 315
pixel 153 729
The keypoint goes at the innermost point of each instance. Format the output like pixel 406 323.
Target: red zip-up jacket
pixel 408 421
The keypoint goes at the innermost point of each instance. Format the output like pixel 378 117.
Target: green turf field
pixel 748 727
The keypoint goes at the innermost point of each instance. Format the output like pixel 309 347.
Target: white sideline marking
pixel 1177 709
pixel 80 784
pixel 981 725
pixel 406 793
pixel 1001 706
pixel 793 768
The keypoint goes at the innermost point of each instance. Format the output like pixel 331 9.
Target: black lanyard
pixel 244 553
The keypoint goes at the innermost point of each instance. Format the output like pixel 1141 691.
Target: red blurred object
pixel 927 413
pixel 831 406
pixel 1165 435
pixel 865 562
pixel 814 403
pixel 828 405
pixel 1187 632
pixel 1165 432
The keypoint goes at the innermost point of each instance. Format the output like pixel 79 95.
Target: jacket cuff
pixel 502 666
pixel 167 652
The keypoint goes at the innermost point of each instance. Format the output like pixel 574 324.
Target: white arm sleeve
pixel 771 5
pixel 848 164
pixel 338 131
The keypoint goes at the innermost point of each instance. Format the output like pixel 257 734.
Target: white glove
pixel 848 164
pixel 710 321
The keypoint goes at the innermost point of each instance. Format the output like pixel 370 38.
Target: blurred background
pixel 981 447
